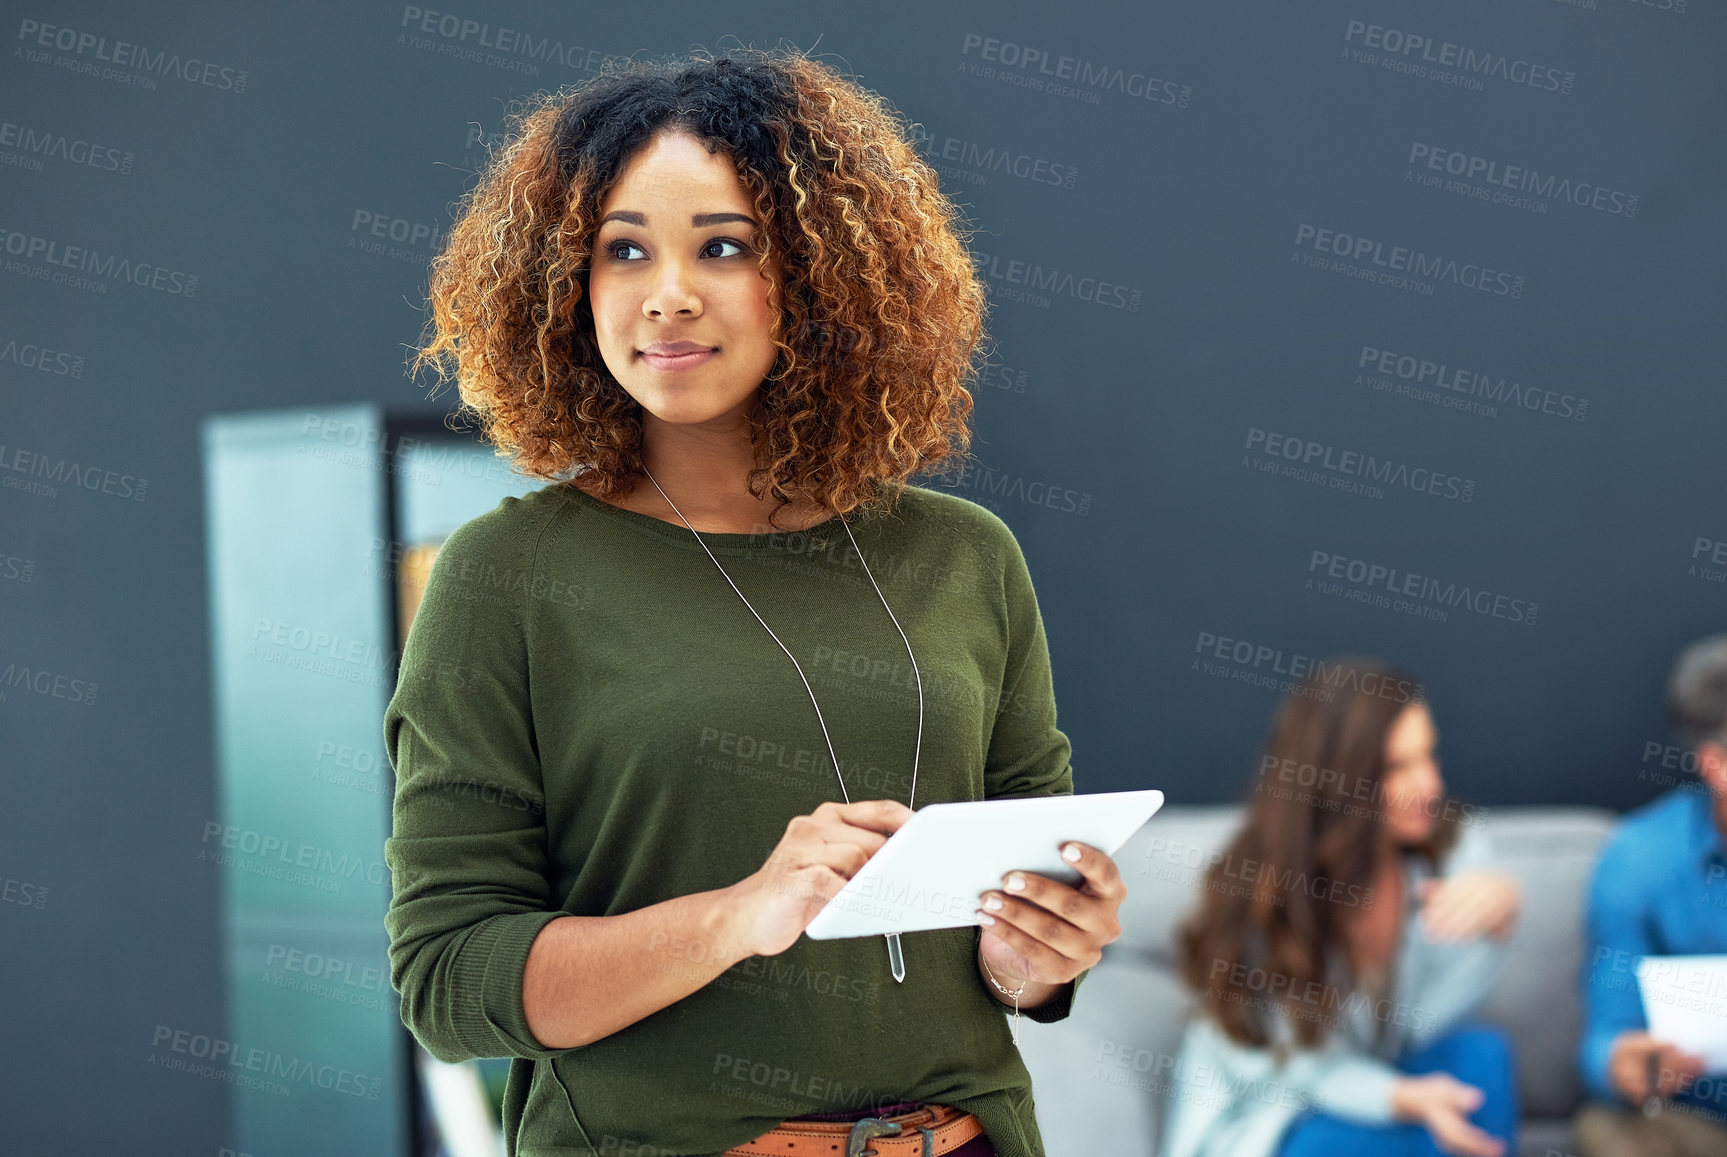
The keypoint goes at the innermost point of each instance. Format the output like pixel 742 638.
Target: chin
pixel 1415 833
pixel 672 413
pixel 1408 828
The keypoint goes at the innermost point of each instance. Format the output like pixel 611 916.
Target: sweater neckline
pixel 677 532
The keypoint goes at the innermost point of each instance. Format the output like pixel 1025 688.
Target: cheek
pixel 756 300
pixel 749 306
pixel 1406 805
pixel 607 320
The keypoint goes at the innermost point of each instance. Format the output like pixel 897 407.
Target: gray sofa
pixel 1100 1077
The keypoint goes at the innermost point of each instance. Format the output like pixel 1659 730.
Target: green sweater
pixel 588 721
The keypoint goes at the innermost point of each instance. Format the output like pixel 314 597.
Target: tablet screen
pixel 933 871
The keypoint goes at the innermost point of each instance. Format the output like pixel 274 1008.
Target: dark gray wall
pixel 189 231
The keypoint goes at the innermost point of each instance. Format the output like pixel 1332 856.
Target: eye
pixel 612 249
pixel 738 245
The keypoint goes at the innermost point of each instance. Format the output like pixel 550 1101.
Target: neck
pixel 704 471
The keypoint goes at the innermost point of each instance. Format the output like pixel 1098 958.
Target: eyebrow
pixel 698 221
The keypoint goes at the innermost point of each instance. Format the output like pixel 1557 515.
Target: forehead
pixel 1412 727
pixel 676 171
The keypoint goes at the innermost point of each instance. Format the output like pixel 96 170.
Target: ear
pixel 1712 765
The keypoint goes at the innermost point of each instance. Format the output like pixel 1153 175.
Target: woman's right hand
pixel 1442 1104
pixel 819 852
pixel 1469 905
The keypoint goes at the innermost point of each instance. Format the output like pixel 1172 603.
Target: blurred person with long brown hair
pixel 724 309
pixel 1340 940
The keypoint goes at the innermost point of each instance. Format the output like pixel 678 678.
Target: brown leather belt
pixel 926 1132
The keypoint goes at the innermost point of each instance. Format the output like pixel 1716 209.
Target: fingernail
pixel 993 903
pixel 983 918
pixel 1071 853
pixel 1016 883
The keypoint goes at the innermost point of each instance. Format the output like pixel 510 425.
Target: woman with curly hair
pixel 653 715
pixel 1342 938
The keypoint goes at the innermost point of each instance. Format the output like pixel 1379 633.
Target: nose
pixel 672 290
pixel 1435 781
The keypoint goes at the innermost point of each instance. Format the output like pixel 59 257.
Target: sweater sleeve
pixel 1453 977
pixel 1339 1077
pixel 467 851
pixel 1028 754
pixel 1350 1083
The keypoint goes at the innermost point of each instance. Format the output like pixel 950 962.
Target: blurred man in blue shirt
pixel 1660 889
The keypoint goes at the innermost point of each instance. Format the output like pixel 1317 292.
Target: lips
pixel 677 355
pixel 676 347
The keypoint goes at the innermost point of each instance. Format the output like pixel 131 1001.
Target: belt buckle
pixel 868 1129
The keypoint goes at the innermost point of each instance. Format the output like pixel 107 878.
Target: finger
pixel 1440 897
pixel 1457 1135
pixel 1044 963
pixel 842 857
pixel 1457 912
pixel 1433 922
pixel 1466 916
pixel 1469 885
pixel 1447 1130
pixel 1070 940
pixel 1010 967
pixel 847 836
pixel 1439 919
pixel 1494 905
pixel 1673 1078
pixel 1478 1142
pixel 1466 1097
pixel 879 815
pixel 1101 875
pixel 1689 1063
pixel 828 825
pixel 812 884
pixel 1095 914
pixel 1672 1059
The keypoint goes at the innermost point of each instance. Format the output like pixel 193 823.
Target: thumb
pixel 1466 1097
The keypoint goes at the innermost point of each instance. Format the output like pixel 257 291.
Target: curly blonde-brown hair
pixel 881 310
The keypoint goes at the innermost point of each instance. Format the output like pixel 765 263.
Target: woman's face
pixel 674 264
pixel 1413 787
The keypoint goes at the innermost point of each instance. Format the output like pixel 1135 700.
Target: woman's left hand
pixel 1046 932
pixel 1469 905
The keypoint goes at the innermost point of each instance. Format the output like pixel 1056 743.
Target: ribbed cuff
pixel 1059 1006
pixel 1596 1056
pixel 486 1012
pixel 1358 1091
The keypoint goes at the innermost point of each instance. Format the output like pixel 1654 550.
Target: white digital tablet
pixel 933 872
